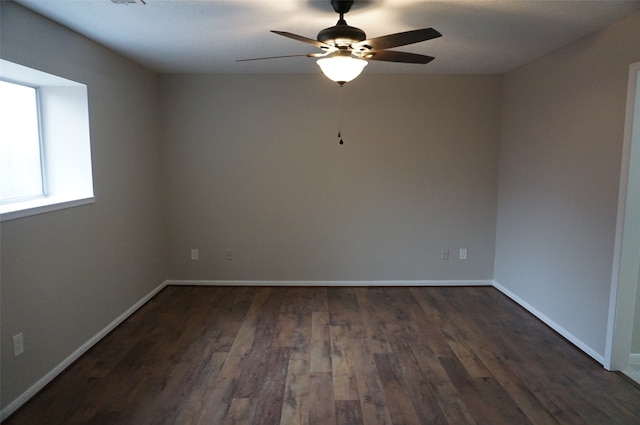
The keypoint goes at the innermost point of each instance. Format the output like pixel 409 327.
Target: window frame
pixel 65 145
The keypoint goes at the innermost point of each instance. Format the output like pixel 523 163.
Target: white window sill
pixel 41 205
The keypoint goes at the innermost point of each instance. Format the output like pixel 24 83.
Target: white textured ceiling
pixel 207 36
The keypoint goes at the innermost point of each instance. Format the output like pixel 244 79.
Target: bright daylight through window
pixel 45 149
pixel 20 153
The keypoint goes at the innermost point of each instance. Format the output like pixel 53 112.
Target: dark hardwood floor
pixel 305 355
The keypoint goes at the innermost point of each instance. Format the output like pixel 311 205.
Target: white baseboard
pixel 330 282
pixel 553 325
pixel 24 397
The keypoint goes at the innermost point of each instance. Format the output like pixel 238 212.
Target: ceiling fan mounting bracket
pixel 341 6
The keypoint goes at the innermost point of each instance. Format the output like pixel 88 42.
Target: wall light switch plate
pixel 228 254
pixel 463 253
pixel 195 254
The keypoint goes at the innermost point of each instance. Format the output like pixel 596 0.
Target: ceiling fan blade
pixel 392 56
pixel 309 55
pixel 397 39
pixel 307 40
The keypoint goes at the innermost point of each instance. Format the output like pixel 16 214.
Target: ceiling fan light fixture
pixel 341 69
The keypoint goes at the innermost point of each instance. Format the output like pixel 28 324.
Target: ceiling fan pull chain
pixel 340 122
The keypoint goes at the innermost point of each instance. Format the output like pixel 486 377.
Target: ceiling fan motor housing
pixel 341 35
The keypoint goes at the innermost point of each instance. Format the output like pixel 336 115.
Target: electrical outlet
pixel 195 254
pixel 463 253
pixel 228 254
pixel 18 344
pixel 444 254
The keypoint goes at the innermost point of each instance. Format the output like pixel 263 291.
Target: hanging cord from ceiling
pixel 340 109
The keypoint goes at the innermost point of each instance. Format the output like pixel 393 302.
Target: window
pixel 20 153
pixel 45 151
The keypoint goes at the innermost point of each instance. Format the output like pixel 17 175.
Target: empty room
pixel 319 212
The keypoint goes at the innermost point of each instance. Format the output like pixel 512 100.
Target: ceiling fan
pixel 346 49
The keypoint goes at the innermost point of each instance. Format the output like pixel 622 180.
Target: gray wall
pixel 254 165
pixel 67 274
pixel 562 133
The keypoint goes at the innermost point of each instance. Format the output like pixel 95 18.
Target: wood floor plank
pixel 295 406
pixel 216 402
pixel 396 398
pixel 285 329
pixel 320 342
pixel 541 382
pixel 342 303
pixel 372 402
pixel 299 307
pixel 293 329
pixel 485 398
pixel 271 389
pixel 246 335
pixel 467 356
pixel 533 407
pixel 193 400
pixel 348 412
pixel 475 355
pixel 373 324
pixel 416 384
pixel 267 320
pixel 241 411
pixel 447 396
pixel 345 386
pixel 317 355
pixel 322 409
